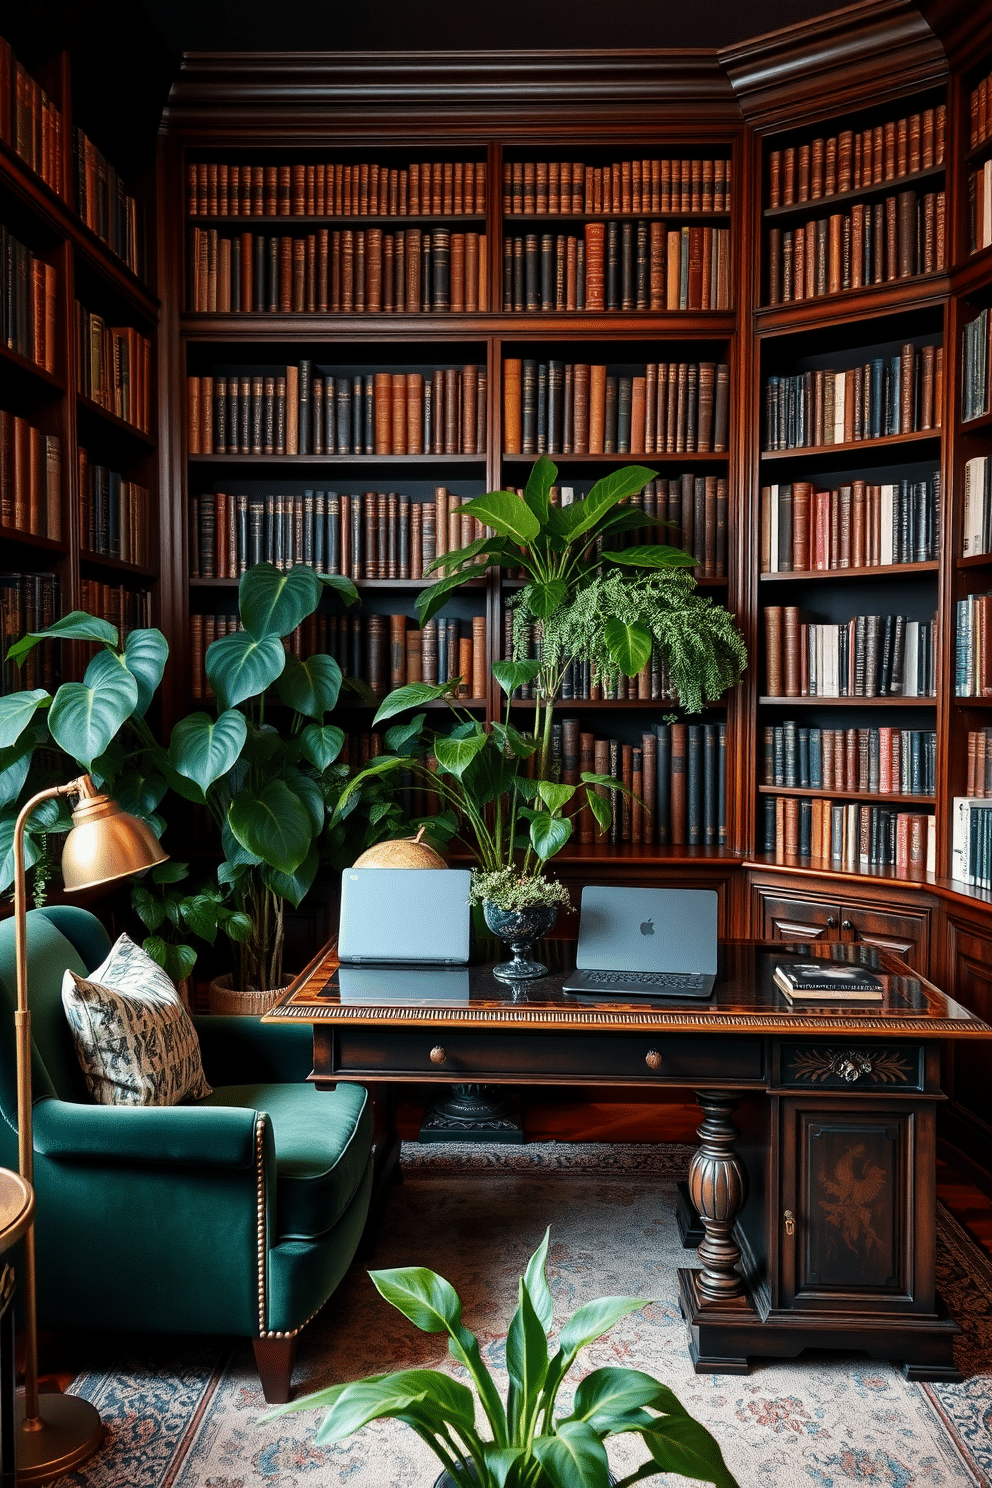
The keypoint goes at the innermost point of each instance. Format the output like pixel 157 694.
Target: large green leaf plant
pixel 528 1445
pixel 270 779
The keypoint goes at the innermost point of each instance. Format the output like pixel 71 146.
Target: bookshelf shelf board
pixel 849 702
pixel 974 560
pixel 283 221
pixel 596 704
pixel 527 219
pixel 823 868
pixel 719 582
pixel 979 151
pixel 628 458
pixel 32 540
pixel 101 415
pixel 13 361
pixel 804 210
pixel 915 292
pixel 980 425
pixel 416 584
pixel 437 703
pixel 972 702
pixel 28 180
pixel 644 852
pixel 419 326
pixel 118 565
pixel 878 571
pixel 879 798
pixel 338 461
pixel 886 443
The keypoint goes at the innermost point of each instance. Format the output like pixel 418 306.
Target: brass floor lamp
pixel 57 1432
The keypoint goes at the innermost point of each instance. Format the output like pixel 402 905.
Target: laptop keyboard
pixel 688 980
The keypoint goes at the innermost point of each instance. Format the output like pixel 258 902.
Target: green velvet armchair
pixel 238 1214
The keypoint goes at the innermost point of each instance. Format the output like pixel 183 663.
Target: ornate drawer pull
pixel 653 1060
pixel 790 1222
pixel 437 1055
pixel 851 1066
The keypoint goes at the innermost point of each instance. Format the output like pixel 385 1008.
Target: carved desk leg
pixel 714 1299
pixel 385 1162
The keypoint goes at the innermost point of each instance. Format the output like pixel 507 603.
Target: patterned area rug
pixel 189 1418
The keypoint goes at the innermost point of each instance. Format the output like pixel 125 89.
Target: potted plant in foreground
pixel 529 1447
pixel 593 600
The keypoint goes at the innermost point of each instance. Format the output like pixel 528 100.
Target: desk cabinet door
pixel 788 918
pixel 846 1225
pixel 907 935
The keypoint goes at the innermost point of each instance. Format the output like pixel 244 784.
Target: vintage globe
pixel 404 852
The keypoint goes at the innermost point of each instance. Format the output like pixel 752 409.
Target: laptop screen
pixel 623 929
pixel 405 915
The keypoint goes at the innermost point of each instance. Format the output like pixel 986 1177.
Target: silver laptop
pixel 646 943
pixel 404 916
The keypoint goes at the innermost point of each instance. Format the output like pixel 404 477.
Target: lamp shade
pixel 105 842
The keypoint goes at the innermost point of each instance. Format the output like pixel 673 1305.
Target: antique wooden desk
pixel 814 1177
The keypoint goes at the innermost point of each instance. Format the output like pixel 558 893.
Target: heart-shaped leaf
pixel 76 626
pixel 600 808
pixel 308 793
pixel 322 744
pixel 145 655
pixel 548 834
pixel 203 750
pixel 274 825
pixel 16 711
pixel 684 1447
pixel 311 687
pixel 513 674
pixel 545 597
pixel 583 515
pixel 537 492
pixel 506 513
pixel 240 667
pixel 85 716
pixel 629 645
pixel 402 734
pixel 414 695
pixel 293 886
pixel 429 601
pixel 554 795
pixel 7 823
pixel 656 555
pixel 509 738
pixel 455 755
pixel 342 587
pixel 273 602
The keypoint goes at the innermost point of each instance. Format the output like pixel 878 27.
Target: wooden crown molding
pixel 215 90
pixel 879 45
pixel 964 28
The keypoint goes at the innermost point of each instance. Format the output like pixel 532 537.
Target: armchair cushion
pixel 322 1150
pixel 133 1036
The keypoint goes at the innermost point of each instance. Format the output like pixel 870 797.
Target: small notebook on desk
pixel 818 981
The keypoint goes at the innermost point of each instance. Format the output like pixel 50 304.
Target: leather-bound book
pixel 528 405
pixel 601 756
pixel 581 396
pixel 555 406
pixel 774 640
pixel 624 413
pixel 678 802
pixel 721 408
pixel 452 424
pixel 597 409
pixel 383 412
pixel 610 413
pixel 426 273
pixel 906 235
pixel 638 415
pixel 397 651
pixel 52 458
pixel 469 389
pixel 481 409
pixel 412 269
pixel 595 256
pixel 399 415
pixel 372 545
pixel 705 403
pixel 479 671
pixel 457 273
pixel 436 413
pixel 694 269
pixel 441 269
pixel 414 413
pixel 193 415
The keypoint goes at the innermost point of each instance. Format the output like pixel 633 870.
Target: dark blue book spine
pixel 694 784
pixel 663 777
pixel 710 806
pixel 357 416
pixel 319 532
pixel 721 785
pixel 343 399
pixel 876 401
pixel 816 759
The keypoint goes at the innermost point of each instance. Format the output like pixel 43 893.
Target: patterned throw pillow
pixel 134 1038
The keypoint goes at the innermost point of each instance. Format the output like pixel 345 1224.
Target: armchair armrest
pixel 180 1136
pixel 239 1051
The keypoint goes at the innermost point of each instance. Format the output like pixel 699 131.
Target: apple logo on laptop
pixel 647 927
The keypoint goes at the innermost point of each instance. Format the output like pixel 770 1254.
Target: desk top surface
pixel 744 999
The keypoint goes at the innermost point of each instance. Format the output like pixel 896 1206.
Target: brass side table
pixel 16 1213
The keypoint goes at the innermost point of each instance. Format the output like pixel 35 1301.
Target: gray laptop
pixel 646 943
pixel 403 985
pixel 404 917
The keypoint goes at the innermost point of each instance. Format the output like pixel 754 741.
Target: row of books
pixel 682 773
pixel 569 187
pixel 30 121
pixel 580 680
pixel 114 513
pixel 980 207
pixel 618 266
pixel 28 601
pixel 980 762
pixel 976 521
pixel 979 113
pixel 107 208
pixel 976 355
pixel 128 609
pixel 370 535
pixel 846 835
pixel 115 368
pixel 853 159
pixel 876 761
pixel 855 526
pixel 973 648
pixel 575 408
pixel 971 841
pixel 27 302
pixel 875 243
pixel 348 270
pixel 899 394
pixel 435 188
pixel 867 656
pixel 309 411
pixel 30 478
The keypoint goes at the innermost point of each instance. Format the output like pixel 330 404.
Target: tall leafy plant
pixel 267 775
pixel 528 1445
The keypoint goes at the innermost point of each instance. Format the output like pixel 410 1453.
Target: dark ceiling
pixel 448 25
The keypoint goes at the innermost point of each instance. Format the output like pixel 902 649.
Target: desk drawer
pixel 463 1054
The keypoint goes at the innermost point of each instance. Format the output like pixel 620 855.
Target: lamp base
pixel 68 1431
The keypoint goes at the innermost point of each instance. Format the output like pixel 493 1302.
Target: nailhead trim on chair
pixel 260 1216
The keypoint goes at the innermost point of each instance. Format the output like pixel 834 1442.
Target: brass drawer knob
pixel 438 1056
pixel 653 1059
